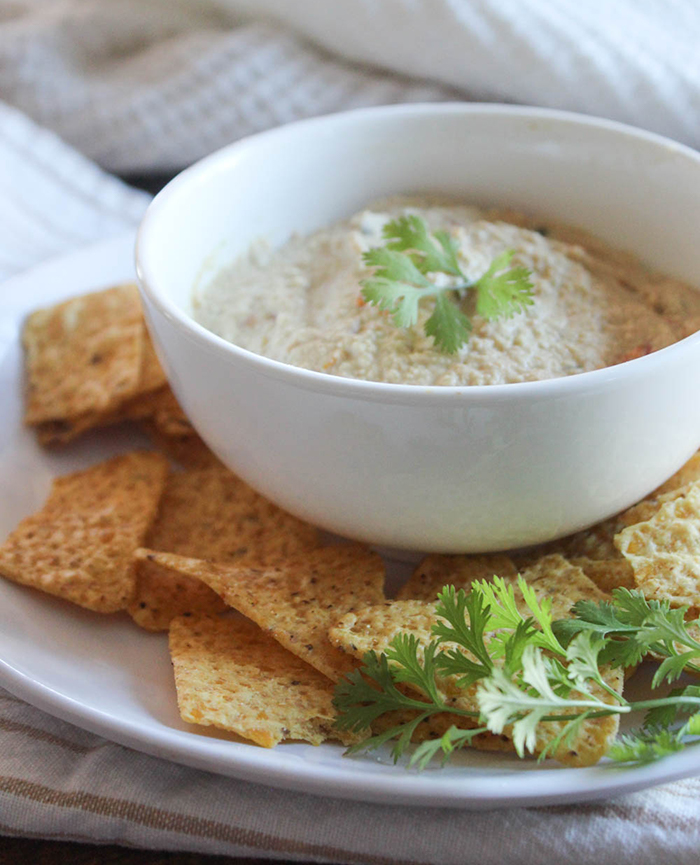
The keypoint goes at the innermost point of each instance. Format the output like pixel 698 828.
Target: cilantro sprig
pixel 400 282
pixel 542 679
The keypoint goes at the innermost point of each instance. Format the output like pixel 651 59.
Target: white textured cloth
pixel 52 199
pixel 139 87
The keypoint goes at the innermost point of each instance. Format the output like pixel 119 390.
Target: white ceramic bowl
pixel 451 469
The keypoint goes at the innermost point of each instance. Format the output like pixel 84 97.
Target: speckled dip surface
pixel 593 307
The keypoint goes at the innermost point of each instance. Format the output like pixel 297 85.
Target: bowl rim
pixel 576 384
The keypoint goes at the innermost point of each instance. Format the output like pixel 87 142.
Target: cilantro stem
pixel 464 287
pixel 664 701
pixel 613 693
pixel 623 710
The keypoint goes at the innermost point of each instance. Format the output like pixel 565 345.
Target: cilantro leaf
pixel 500 597
pixel 410 234
pixel 448 325
pixel 399 282
pixel 667 714
pixel 394 266
pixel 502 290
pixel 542 614
pixel 646 746
pixel 367 694
pixel 600 617
pixel 637 627
pixel 403 651
pixel 451 739
pixel 465 618
pixel 397 285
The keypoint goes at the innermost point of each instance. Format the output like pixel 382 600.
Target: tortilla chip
pixel 437 571
pixel 565 583
pixel 83 355
pixel 50 433
pixel 664 551
pixel 151 377
pixel 594 543
pixel 645 510
pixel 297 601
pixel 189 451
pixel 210 513
pixel 145 399
pixel 688 473
pixel 80 545
pixel 60 432
pixel 373 628
pixel 597 543
pixel 232 675
pixel 607 574
pixel 166 414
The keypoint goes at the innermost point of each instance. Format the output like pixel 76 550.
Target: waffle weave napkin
pixel 118 94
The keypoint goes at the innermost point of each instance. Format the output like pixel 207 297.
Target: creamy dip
pixel 301 304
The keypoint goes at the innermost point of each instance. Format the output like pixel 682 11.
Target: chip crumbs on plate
pixel 232 675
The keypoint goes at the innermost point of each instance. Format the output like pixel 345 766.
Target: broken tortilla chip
pixel 559 579
pixel 596 542
pixel 232 675
pixel 436 571
pixel 550 576
pixel 210 513
pixel 688 473
pixel 664 551
pixel 607 574
pixel 80 545
pixel 297 601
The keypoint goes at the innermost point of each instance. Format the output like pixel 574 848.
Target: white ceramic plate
pixel 108 676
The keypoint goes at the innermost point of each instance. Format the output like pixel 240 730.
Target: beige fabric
pixel 145 85
pixel 57 781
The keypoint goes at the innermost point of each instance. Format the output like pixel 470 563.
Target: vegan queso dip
pixel 302 303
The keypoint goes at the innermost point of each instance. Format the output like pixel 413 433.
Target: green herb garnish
pixel 400 281
pixel 526 672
